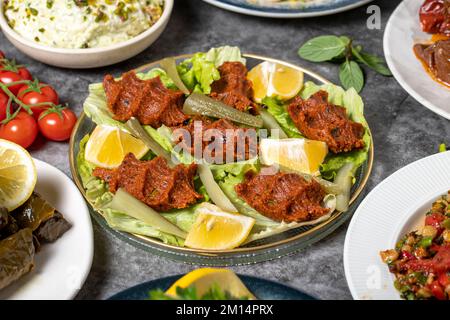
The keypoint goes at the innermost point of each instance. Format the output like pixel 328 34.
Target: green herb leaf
pixel 351 75
pixel 345 39
pixel 372 61
pixel 158 295
pixel 190 293
pixel 323 48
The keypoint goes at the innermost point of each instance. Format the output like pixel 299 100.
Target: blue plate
pixel 287 10
pixel 262 289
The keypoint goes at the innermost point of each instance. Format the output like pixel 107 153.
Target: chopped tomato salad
pixel 421 259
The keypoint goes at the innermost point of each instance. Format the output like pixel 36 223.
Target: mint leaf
pixel 346 40
pixel 323 48
pixel 351 75
pixel 372 61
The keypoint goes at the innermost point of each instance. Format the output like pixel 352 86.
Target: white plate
pixel 287 10
pixel 402 32
pixel 391 209
pixel 61 267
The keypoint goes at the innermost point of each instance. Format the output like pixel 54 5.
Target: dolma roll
pixel 16 256
pixel 41 217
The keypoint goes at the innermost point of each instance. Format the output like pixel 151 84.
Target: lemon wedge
pixel 17 175
pixel 272 79
pixel 215 229
pixel 301 155
pixel 108 146
pixel 203 279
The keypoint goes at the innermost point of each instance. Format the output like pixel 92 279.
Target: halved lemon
pixel 108 146
pixel 17 175
pixel 301 155
pixel 272 79
pixel 215 229
pixel 203 279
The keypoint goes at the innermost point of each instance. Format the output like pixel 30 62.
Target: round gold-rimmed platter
pixel 270 248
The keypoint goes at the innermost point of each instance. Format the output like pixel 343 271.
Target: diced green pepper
pixel 411 296
pixel 446 223
pixel 419 276
pixel 425 242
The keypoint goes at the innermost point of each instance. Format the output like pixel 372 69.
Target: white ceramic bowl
pixel 91 57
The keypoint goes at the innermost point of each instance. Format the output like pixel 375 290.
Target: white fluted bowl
pixel 90 57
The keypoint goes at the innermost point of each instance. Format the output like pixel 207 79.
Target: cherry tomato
pixel 21 130
pixel 407 255
pixel 3 104
pixel 435 248
pixel 25 74
pixel 7 77
pixel 435 220
pixel 57 127
pixel 38 94
pixel 444 280
pixel 2 55
pixel 437 291
pixel 13 67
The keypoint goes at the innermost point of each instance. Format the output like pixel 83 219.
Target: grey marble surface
pixel 403 131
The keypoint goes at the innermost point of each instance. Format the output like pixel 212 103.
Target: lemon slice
pixel 17 175
pixel 108 146
pixel 203 279
pixel 272 79
pixel 301 155
pixel 215 229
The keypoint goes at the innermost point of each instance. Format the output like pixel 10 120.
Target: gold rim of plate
pixel 240 250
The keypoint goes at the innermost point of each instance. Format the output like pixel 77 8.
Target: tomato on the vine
pixel 37 93
pixel 8 77
pixel 21 130
pixel 56 124
pixel 11 72
pixel 24 73
pixel 3 105
pixel 11 66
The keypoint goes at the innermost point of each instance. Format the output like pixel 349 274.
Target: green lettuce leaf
pixel 224 54
pixel 182 218
pixel 163 136
pixel 122 222
pixel 96 108
pixel 84 167
pixel 96 190
pixel 278 110
pixel 200 71
pixel 354 105
pixel 168 83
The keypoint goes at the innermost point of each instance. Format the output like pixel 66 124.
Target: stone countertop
pixel 403 131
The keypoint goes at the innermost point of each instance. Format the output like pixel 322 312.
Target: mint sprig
pixel 350 57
